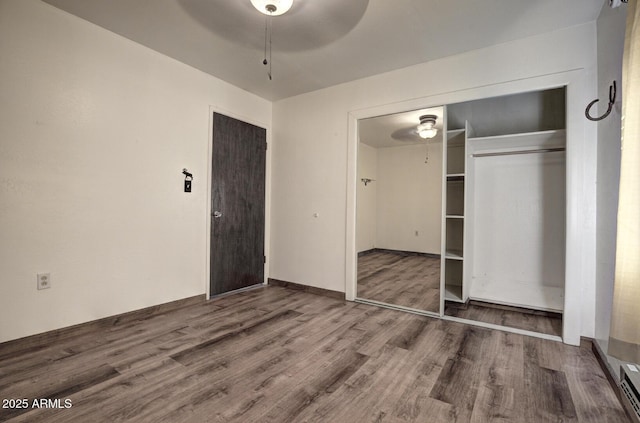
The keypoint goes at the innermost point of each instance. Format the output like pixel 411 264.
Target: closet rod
pixel 509 153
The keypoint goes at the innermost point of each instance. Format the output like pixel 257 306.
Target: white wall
pixel 611 28
pixel 310 167
pixel 367 197
pixel 519 217
pixel 94 133
pixel 410 198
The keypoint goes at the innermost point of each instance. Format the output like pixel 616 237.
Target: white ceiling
pixel 398 129
pixel 323 43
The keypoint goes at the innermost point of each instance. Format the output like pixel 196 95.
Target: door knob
pixel 217 214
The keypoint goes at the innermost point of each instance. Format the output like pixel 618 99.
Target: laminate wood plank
pixel 281 355
pixel 407 337
pixel 244 361
pixel 318 384
pixel 310 289
pixel 282 325
pixel 229 323
pixel 497 404
pixel 209 389
pixel 114 340
pixel 549 396
pixel 60 389
pixel 549 324
pixel 438 340
pixel 33 383
pixel 380 326
pixel 392 378
pixel 34 343
pixel 462 374
pixel 256 298
pixel 319 348
pixel 134 408
pixel 182 338
pixel 506 360
pixel 231 318
pixel 431 349
pixel 114 346
pixel 502 383
pixel 593 404
pixel 198 384
pixel 362 392
pixel 118 393
pixel 405 395
pixel 547 355
pixel 315 332
pixel 377 261
pixel 128 383
pixel 266 388
pixel 189 355
pixel 407 280
pixel 415 404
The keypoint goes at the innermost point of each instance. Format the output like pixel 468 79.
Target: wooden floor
pixel 542 322
pixel 407 280
pixel 279 355
pixel 413 281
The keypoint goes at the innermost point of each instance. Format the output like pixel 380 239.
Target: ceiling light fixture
pixel 270 8
pixel 426 129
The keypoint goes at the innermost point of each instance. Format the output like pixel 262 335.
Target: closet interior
pixel 504 207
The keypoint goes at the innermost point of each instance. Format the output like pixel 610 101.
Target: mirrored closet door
pixel 399 209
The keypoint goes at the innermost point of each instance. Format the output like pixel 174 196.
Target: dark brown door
pixel 237 201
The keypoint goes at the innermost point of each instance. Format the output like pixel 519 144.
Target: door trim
pixel 267 189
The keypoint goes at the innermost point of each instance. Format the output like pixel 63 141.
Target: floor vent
pixel 629 386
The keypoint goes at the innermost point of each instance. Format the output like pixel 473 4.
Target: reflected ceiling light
pixel 426 128
pixel 270 8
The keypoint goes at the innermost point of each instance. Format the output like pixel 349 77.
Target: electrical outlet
pixel 44 281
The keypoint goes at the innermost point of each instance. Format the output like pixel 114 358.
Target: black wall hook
pixel 612 101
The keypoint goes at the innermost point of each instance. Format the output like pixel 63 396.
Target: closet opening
pixel 515 183
pixel 505 194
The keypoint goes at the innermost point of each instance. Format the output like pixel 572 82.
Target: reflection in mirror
pixel 399 205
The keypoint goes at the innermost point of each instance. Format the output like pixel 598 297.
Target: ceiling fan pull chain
pixel 270 8
pixel 264 62
pixel 270 33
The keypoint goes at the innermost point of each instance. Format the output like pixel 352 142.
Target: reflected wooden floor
pixel 402 279
pixel 279 355
pixel 542 322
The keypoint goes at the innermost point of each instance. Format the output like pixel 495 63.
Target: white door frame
pixel 580 181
